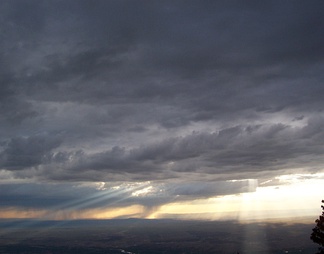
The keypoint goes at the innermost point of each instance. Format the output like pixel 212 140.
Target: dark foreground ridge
pixel 137 236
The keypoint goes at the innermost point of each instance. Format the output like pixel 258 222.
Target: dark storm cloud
pixel 21 153
pixel 96 54
pixel 143 90
pixel 240 150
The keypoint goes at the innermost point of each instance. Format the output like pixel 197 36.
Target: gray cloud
pixel 146 90
pixel 247 150
pixel 21 153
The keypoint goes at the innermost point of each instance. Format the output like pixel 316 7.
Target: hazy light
pixel 295 195
pixel 298 196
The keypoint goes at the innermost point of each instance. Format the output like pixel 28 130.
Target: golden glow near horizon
pixel 16 213
pixel 295 196
pixel 298 198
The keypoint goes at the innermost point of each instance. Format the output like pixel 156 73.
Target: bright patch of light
pixel 260 203
pixel 142 192
pixel 101 186
pixel 284 200
pixel 293 178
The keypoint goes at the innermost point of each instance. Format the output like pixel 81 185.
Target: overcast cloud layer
pixel 136 91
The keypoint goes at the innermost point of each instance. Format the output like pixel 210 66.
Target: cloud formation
pixel 142 91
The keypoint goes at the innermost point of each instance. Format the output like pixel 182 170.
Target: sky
pixel 161 109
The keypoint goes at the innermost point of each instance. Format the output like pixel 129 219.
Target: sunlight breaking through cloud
pixel 158 105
